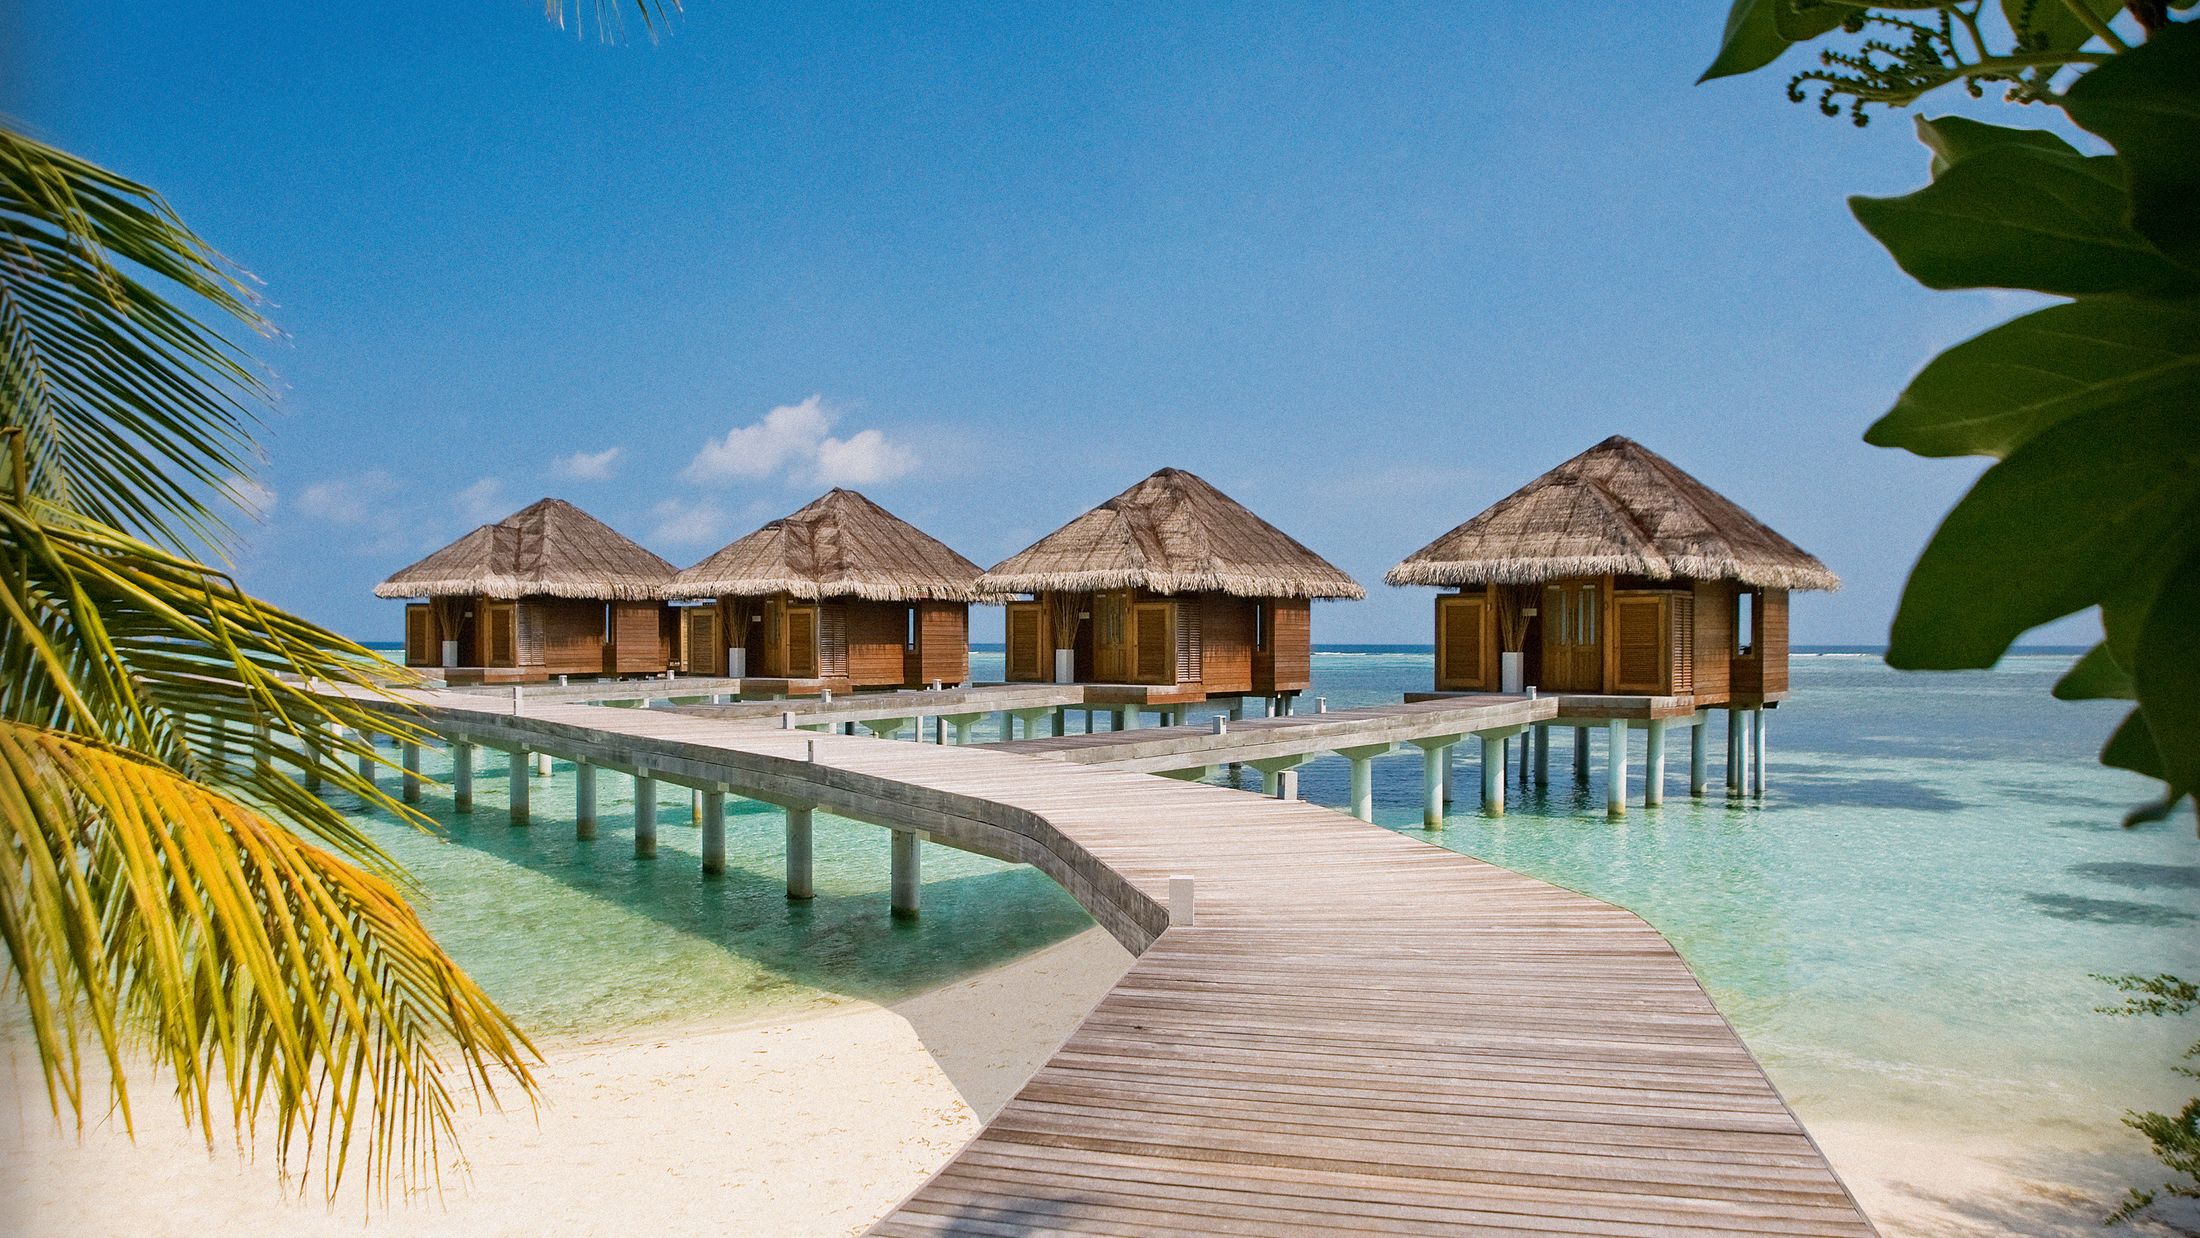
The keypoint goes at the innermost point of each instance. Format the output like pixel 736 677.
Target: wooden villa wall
pixel 1714 640
pixel 1764 672
pixel 1287 664
pixel 877 634
pixel 637 639
pixel 1466 641
pixel 1226 643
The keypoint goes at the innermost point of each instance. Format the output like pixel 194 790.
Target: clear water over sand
pixel 1903 930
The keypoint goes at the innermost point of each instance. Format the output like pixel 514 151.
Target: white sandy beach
pixel 809 1125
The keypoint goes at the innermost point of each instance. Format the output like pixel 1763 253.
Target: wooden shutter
pixel 701 652
pixel 501 620
pixel 1683 608
pixel 1189 656
pixel 1026 660
pixel 1644 642
pixel 1462 642
pixel 420 645
pixel 832 641
pixel 1154 637
pixel 801 634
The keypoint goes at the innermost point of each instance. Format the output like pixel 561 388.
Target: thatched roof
pixel 1618 507
pixel 1171 533
pixel 842 545
pixel 548 549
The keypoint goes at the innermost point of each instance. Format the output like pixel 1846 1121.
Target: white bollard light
pixel 1287 784
pixel 786 721
pixel 813 752
pixel 825 696
pixel 1321 704
pixel 1222 725
pixel 519 698
pixel 1180 902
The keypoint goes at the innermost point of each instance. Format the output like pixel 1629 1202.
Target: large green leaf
pixel 2017 216
pixel 1990 393
pixel 1955 138
pixel 2095 677
pixel 2069 520
pixel 2049 25
pixel 2167 673
pixel 2146 104
pixel 1757 31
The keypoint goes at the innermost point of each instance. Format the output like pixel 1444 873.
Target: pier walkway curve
pixel 1346 1030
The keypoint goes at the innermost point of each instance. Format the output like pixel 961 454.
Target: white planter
pixel 1065 666
pixel 450 653
pixel 737 662
pixel 1511 676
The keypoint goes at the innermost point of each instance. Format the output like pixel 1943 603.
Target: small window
pixel 911 639
pixel 1586 615
pixel 1745 623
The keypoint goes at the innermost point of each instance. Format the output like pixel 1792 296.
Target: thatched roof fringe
pixel 549 548
pixel 842 545
pixel 1238 584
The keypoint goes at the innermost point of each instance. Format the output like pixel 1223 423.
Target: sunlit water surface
pixel 1904 929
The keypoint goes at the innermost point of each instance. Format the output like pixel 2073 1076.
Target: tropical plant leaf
pixel 2071 518
pixel 146 912
pixel 2145 104
pixel 2050 25
pixel 2021 216
pixel 132 410
pixel 2096 676
pixel 1953 138
pixel 1992 392
pixel 2166 673
pixel 1757 31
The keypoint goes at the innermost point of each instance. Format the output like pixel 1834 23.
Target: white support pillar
pixel 1434 757
pixel 411 756
pixel 542 765
pixel 1542 741
pixel 799 883
pixel 1757 753
pixel 1581 754
pixel 1615 762
pixel 462 777
pixel 1653 764
pixel 714 831
pixel 645 815
pixel 1061 721
pixel 1008 727
pixel 521 758
pixel 1493 776
pixel 1735 721
pixel 1129 718
pixel 1697 741
pixel 905 882
pixel 367 763
pixel 1363 777
pixel 962 728
pixel 584 800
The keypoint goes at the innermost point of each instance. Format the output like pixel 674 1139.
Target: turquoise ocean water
pixel 1903 929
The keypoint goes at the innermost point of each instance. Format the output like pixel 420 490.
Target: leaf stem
pixel 2093 22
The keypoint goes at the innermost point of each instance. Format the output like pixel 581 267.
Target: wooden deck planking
pixel 1362 1033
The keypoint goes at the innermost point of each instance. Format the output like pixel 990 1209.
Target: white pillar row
pixel 462 777
pixel 521 759
pixel 1698 740
pixel 584 800
pixel 1653 764
pixel 1615 761
pixel 1757 755
pixel 714 831
pixel 799 882
pixel 411 757
pixel 1493 776
pixel 905 882
pixel 645 815
pixel 1363 777
pixel 1435 755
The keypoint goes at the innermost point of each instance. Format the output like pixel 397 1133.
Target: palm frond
pixel 147 913
pixel 608 15
pixel 133 409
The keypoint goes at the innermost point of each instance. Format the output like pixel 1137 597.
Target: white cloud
pixel 354 500
pixel 863 458
pixel 796 440
pixel 481 502
pixel 256 498
pixel 680 522
pixel 586 465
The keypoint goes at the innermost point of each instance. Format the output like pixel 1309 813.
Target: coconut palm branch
pixel 171 892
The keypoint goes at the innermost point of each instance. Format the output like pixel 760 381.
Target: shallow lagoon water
pixel 1904 929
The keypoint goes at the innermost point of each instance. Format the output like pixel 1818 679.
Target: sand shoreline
pixel 818 1119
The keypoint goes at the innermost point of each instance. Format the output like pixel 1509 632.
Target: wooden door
pixel 421 648
pixel 1153 633
pixel 1463 643
pixel 1027 657
pixel 1111 638
pixel 500 623
pixel 1573 649
pixel 701 652
pixel 798 653
pixel 1642 627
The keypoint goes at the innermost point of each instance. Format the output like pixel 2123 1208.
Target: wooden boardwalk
pixel 1359 1033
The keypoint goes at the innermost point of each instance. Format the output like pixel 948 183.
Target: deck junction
pixel 1329 1027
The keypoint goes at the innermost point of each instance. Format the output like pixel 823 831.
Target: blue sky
pixel 1367 268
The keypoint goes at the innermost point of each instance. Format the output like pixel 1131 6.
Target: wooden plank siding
pixel 878 643
pixel 1361 1033
pixel 1287 663
pixel 943 645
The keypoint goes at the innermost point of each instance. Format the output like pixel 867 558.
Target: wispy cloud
pixel 795 441
pixel 687 522
pixel 482 501
pixel 587 465
pixel 255 497
pixel 354 500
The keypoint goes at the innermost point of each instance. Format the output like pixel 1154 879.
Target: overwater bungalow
pixel 547 591
pixel 1615 573
pixel 842 595
pixel 1168 594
